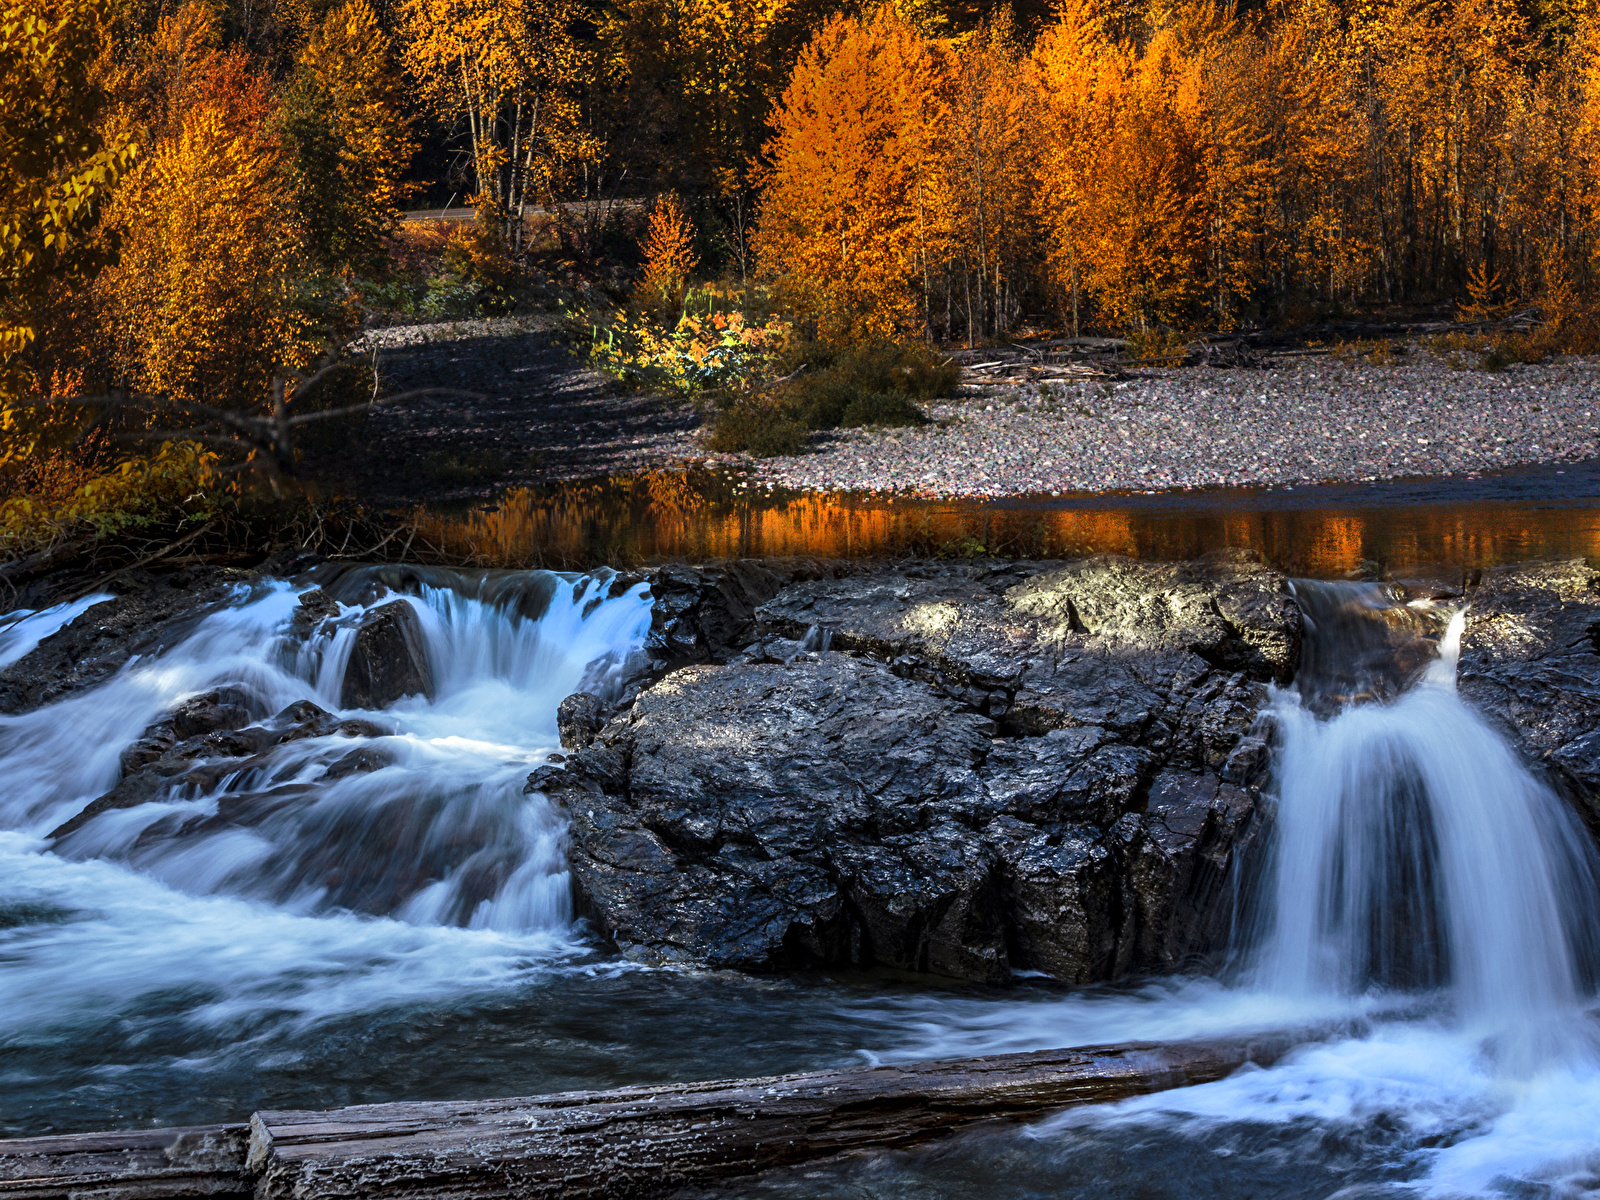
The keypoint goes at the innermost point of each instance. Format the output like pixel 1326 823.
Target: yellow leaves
pixel 722 62
pixel 199 302
pixel 63 496
pixel 349 141
pixel 57 161
pixel 850 161
pixel 513 70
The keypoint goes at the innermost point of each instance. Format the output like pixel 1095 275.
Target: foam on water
pixel 23 629
pixel 431 877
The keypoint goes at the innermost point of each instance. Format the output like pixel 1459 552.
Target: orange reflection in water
pixel 702 517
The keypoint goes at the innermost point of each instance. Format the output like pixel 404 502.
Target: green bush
pixel 836 386
pixel 763 428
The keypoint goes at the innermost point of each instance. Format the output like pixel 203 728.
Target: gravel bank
pixel 1312 420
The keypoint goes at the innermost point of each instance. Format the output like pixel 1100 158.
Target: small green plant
pixel 717 352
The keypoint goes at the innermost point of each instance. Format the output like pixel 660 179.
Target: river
pixel 407 932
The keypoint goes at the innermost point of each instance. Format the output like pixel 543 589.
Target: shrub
pixel 61 493
pixel 874 384
pixel 877 384
pixel 721 351
pixel 761 427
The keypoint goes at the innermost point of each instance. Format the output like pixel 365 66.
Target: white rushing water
pixel 430 877
pixel 1420 882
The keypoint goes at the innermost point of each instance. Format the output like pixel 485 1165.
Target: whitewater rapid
pixel 149 975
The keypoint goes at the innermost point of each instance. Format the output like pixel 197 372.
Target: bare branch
pixel 381 400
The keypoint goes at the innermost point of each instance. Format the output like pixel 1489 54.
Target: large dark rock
pixel 389 659
pixel 207 738
pixel 890 806
pixel 1530 660
pixel 699 614
pixel 1107 641
pixel 579 718
pixel 93 648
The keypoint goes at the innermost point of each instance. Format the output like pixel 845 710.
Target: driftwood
pixel 629 1142
pixel 141 1164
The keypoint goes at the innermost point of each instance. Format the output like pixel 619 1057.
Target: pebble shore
pixel 1312 420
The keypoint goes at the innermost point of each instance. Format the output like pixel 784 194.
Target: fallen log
pixel 139 1164
pixel 628 1142
pixel 648 1141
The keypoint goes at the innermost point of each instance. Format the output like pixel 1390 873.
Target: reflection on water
pixel 703 515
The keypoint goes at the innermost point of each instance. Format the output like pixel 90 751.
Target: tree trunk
pixel 646 1141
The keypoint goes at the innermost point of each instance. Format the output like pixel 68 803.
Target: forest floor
pixel 540 415
pixel 537 415
pixel 1309 420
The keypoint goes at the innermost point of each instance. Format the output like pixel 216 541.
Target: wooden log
pixel 647 1141
pixel 628 1142
pixel 140 1164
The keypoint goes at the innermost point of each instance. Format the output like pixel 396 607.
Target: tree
pixel 348 140
pixel 513 71
pixel 59 162
pixel 201 306
pixel 989 176
pixel 668 250
pixel 851 204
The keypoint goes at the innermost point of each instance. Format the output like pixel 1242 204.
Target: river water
pixel 406 932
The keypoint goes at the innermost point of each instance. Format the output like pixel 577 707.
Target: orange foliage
pixel 852 200
pixel 513 71
pixel 197 306
pixel 669 255
pixel 1174 165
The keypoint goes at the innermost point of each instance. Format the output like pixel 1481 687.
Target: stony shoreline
pixel 1313 420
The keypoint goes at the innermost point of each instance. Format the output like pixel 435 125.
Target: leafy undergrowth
pixel 75 491
pixel 836 387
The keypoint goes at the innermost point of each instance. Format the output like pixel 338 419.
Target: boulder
pixel 102 640
pixel 834 808
pixel 578 718
pixel 219 743
pixel 219 709
pixel 315 607
pixel 1530 660
pixel 389 659
pixel 1105 642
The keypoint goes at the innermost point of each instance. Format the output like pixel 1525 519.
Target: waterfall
pixel 1411 850
pixel 432 829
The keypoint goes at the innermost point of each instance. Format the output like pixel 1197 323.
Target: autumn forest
pixel 201 201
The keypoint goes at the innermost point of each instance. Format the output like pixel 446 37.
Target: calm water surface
pixel 1322 531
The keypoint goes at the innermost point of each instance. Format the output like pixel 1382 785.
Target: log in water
pixel 640 1141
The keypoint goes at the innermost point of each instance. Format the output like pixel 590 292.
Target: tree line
pixel 1196 167
pixel 197 195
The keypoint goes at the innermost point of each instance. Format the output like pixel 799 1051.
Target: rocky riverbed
pixel 1309 420
pixel 974 770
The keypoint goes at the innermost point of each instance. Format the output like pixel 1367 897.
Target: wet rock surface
pixel 208 738
pixel 994 769
pixel 1530 659
pixel 155 613
pixel 389 659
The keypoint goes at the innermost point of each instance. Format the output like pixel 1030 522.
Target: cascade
pixel 1419 883
pixel 432 829
pixel 1411 850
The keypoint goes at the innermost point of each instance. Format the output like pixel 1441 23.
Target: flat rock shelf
pixel 628 1142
